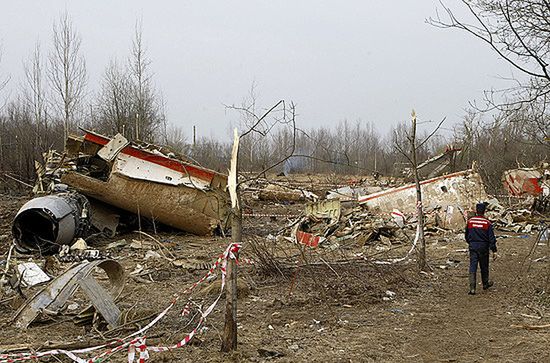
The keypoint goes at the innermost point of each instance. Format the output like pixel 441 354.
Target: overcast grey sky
pixel 356 60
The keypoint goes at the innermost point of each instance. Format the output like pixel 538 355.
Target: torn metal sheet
pixel 442 161
pixel 462 189
pixel 347 193
pixel 113 147
pixel 325 209
pixel 527 181
pixel 105 218
pixel 45 223
pixel 192 210
pixel 308 239
pixel 53 297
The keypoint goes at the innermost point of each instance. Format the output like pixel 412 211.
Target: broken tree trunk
pixel 230 329
pixel 421 249
pixel 229 341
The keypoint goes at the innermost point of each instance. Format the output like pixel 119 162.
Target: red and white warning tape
pixel 270 215
pixel 138 341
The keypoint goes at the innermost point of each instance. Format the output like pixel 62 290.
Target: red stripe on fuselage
pixel 176 165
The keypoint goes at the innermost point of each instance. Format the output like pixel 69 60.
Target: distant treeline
pixel 54 100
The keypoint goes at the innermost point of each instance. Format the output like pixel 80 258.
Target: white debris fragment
pixel 79 245
pixel 31 274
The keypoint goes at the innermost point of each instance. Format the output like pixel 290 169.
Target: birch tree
pixel 66 72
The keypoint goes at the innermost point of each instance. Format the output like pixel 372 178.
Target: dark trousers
pixel 481 257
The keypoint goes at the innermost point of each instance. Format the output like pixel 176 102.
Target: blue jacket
pixel 480 234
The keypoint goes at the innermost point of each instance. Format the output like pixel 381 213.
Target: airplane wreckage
pixel 99 180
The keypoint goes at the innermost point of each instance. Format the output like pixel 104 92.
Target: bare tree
pixel 35 93
pixel 3 81
pixel 66 71
pixel 412 157
pixel 115 102
pixel 148 107
pixel 517 31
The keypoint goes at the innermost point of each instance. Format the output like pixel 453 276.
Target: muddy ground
pixel 334 307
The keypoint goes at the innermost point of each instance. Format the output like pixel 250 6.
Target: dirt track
pixel 342 313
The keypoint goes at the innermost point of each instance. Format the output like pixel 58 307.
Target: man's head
pixel 480 208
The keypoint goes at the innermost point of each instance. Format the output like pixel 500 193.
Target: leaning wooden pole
pixel 229 342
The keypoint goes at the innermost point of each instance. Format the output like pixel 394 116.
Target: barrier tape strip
pixel 270 215
pixel 139 343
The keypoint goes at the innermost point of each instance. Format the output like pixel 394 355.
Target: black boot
pixel 472 284
pixel 485 280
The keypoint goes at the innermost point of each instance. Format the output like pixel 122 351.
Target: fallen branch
pixel 160 246
pixel 17 180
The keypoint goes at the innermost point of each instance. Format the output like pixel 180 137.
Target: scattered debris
pixel 53 297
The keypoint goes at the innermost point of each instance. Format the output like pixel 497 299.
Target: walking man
pixel 481 238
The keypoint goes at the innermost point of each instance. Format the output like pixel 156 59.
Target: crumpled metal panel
pixel 461 189
pixel 54 296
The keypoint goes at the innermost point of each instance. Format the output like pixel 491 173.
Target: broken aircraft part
pixel 281 193
pixel 527 181
pixel 144 181
pixel 462 189
pixel 531 182
pixel 54 296
pixel 44 224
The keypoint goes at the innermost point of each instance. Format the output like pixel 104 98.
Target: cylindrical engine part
pixel 44 224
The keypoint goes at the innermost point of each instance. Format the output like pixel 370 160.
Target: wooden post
pixel 229 342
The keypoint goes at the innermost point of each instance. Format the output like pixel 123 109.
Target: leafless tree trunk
pixel 148 111
pixel 67 71
pixel 412 156
pixel 115 100
pixel 35 95
pixel 3 82
pixel 419 208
